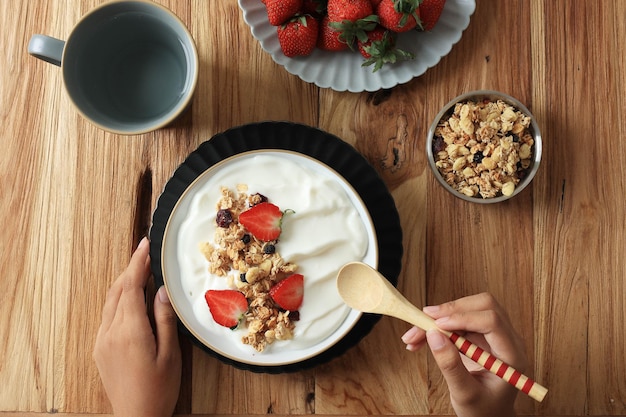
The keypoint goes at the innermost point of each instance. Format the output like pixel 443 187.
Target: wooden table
pixel 75 201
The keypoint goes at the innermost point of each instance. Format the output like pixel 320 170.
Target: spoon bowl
pixel 363 288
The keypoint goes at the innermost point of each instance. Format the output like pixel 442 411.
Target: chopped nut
pixel 468 172
pixel 468 191
pixel 524 151
pixel 490 163
pixel 508 188
pixel 459 164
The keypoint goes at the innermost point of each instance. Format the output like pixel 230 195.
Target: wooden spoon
pixel 365 289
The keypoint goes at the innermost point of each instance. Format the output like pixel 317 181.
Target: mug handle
pixel 46 48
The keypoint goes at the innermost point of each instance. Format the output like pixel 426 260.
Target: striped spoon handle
pixel 496 366
pixel 365 289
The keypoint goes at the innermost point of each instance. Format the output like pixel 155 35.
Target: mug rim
pixel 193 62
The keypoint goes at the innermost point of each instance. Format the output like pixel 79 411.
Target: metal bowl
pixel 533 129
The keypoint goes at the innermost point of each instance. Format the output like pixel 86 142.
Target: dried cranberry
pixel 294 315
pixel 438 144
pixel 224 218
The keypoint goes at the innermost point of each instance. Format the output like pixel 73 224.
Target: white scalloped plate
pixel 342 71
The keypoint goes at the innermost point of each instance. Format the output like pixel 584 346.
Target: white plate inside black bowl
pixel 306 146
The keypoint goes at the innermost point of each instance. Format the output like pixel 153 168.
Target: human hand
pixel 140 370
pixel 474 391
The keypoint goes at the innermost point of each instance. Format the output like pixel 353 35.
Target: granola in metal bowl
pixel 253 267
pixel 483 148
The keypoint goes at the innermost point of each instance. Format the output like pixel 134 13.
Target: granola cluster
pixel 253 267
pixel 483 149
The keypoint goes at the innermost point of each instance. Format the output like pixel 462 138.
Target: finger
pixel 449 361
pixel 135 280
pixel 113 296
pixel 414 338
pixel 414 335
pixel 138 270
pixel 483 301
pixel 111 303
pixel 166 327
pixel 481 321
pixel 414 347
pixel 503 340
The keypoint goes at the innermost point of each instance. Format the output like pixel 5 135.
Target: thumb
pixel 166 325
pixel 449 361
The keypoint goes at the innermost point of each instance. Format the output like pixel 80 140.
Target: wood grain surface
pixel 75 201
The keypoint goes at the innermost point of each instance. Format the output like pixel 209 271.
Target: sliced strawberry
pixel 263 220
pixel 289 292
pixel 227 306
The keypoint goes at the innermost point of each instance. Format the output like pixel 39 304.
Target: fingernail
pixel 406 337
pixel 442 320
pixel 142 243
pixel 162 294
pixel 431 309
pixel 435 339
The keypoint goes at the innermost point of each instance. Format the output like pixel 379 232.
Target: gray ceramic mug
pixel 129 67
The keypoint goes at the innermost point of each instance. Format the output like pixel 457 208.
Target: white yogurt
pixel 325 232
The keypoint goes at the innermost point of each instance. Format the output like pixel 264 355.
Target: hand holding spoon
pixel 365 289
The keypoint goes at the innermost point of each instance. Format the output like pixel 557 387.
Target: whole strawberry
pixel 381 38
pixel 430 11
pixel 328 38
pixel 350 32
pixel 380 48
pixel 298 36
pixel 351 10
pixel 351 18
pixel 399 15
pixel 279 11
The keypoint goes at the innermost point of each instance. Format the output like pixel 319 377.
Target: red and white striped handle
pixel 496 366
